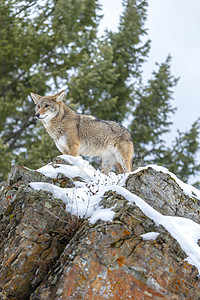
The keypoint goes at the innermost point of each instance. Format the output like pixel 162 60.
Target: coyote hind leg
pixel 125 167
pixel 119 168
pixel 124 157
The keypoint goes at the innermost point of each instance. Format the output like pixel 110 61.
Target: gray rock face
pixel 46 253
pixel 162 192
pixel 34 230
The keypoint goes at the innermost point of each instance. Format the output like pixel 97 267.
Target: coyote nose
pixel 37 115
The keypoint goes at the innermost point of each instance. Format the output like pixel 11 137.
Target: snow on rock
pixel 102 214
pixel 84 200
pixel 184 230
pixel 150 236
pixel 189 190
pixel 76 166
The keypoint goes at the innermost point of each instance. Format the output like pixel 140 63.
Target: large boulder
pixel 48 253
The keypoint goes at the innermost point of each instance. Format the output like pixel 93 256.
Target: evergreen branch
pixel 24 8
pixel 14 136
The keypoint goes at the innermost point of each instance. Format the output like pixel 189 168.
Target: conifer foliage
pixel 49 45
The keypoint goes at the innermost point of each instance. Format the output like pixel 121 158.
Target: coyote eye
pixel 46 105
pixel 39 106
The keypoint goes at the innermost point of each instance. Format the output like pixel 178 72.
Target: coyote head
pixel 47 107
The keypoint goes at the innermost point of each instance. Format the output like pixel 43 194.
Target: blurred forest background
pixel 49 45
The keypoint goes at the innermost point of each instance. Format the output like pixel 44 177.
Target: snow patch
pixel 150 236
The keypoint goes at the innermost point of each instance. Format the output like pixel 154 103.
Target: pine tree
pixel 40 42
pixel 90 89
pixel 104 82
pixel 152 121
pixel 152 114
pixel 181 158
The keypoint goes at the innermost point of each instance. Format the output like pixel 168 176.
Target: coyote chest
pixel 57 135
pixel 61 143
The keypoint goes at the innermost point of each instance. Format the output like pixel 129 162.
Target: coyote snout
pixel 78 134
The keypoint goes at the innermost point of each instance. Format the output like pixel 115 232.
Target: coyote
pixel 78 134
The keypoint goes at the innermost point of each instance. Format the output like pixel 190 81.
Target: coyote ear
pixel 35 97
pixel 60 96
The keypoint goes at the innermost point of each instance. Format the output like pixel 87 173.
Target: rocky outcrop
pixel 162 192
pixel 34 228
pixel 47 253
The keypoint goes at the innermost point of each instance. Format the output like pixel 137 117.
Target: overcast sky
pixel 174 28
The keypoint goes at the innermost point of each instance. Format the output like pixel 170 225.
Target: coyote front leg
pixel 73 150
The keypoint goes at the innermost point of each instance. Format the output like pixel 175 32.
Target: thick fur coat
pixel 78 134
